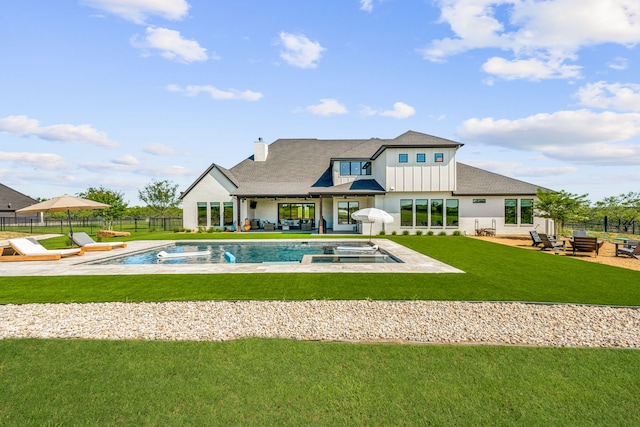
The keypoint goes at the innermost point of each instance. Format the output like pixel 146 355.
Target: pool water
pixel 252 252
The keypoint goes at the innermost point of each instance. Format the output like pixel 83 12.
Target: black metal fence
pixel 91 225
pixel 606 226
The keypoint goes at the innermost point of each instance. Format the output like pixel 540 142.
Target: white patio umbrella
pixel 65 203
pixel 372 215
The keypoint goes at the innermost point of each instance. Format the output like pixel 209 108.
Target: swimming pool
pixel 285 252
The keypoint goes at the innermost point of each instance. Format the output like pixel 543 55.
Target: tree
pixel 623 209
pixel 110 197
pixel 160 196
pixel 561 206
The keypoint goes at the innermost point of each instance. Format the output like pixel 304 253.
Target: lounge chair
pixel 547 243
pixel 631 248
pixel 585 244
pixel 27 250
pixel 85 241
pixel 535 238
pixel 358 249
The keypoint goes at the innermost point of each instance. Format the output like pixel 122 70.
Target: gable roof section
pixel 412 139
pixel 226 172
pixel 472 181
pixel 15 198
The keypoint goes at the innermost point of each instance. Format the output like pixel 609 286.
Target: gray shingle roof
pixel 15 198
pixel 301 167
pixel 473 181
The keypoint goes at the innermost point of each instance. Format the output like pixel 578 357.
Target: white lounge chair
pixel 26 250
pixel 358 249
pixel 85 241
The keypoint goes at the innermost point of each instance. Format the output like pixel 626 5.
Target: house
pixel 12 200
pixel 312 184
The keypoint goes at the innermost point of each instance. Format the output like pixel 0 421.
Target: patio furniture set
pixel 580 242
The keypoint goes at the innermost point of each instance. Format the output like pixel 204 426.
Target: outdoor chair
pixel 631 248
pixel 535 238
pixel 585 244
pixel 85 241
pixel 547 243
pixel 26 250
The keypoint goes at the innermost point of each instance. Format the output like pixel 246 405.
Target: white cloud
pixel 299 51
pixel 327 107
pixel 127 159
pixel 139 10
pixel 619 63
pixel 46 161
pixel 24 126
pixel 171 45
pixel 616 96
pixel 215 93
pixel 366 5
pixel 160 150
pixel 574 136
pixel 550 31
pixel 400 111
pixel 531 69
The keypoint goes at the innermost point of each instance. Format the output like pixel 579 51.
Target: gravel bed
pixel 556 325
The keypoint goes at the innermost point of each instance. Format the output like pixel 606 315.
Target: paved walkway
pixel 413 262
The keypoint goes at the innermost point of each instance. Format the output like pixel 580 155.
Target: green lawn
pixel 493 272
pixel 281 382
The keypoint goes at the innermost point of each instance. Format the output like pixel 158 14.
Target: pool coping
pixel 413 262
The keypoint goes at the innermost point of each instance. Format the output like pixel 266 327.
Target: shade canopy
pixel 64 203
pixel 372 215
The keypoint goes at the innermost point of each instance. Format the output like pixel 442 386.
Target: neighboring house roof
pixel 12 200
pixel 302 167
pixel 474 181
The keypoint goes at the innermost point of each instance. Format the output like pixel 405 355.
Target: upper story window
pixel 421 157
pixel 403 158
pixel 438 157
pixel 355 168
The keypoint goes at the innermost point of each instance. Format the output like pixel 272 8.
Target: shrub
pixel 457 233
pixel 418 232
pixel 405 233
pixel 393 233
pixel 382 233
pixel 430 233
pixel 442 233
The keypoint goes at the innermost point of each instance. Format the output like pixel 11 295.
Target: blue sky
pixel 120 92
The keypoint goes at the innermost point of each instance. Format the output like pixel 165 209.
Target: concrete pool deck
pixel 413 262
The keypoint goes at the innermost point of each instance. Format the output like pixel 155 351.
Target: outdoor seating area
pixel 29 249
pixel 585 244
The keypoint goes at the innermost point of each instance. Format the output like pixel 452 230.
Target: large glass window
pixel 345 209
pixel 355 168
pixel 437 213
pixel 406 213
pixel 296 212
pixel 511 211
pixel 215 214
pixel 452 212
pixel 526 211
pixel 422 213
pixel 202 214
pixel 228 213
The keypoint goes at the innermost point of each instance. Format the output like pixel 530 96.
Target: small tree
pixel 110 197
pixel 160 196
pixel 624 208
pixel 561 206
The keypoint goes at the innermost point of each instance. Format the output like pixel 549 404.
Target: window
pixel 526 211
pixel 345 209
pixel 511 211
pixel 437 213
pixel 355 168
pixel 422 212
pixel 438 157
pixel 421 157
pixel 202 214
pixel 479 200
pixel 215 214
pixel 403 158
pixel 406 213
pixel 296 211
pixel 452 212
pixel 228 213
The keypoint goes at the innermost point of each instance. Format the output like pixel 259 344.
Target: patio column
pixel 238 223
pixel 321 229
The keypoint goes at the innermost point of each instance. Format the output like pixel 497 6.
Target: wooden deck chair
pixel 585 244
pixel 547 243
pixel 27 250
pixel 85 241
